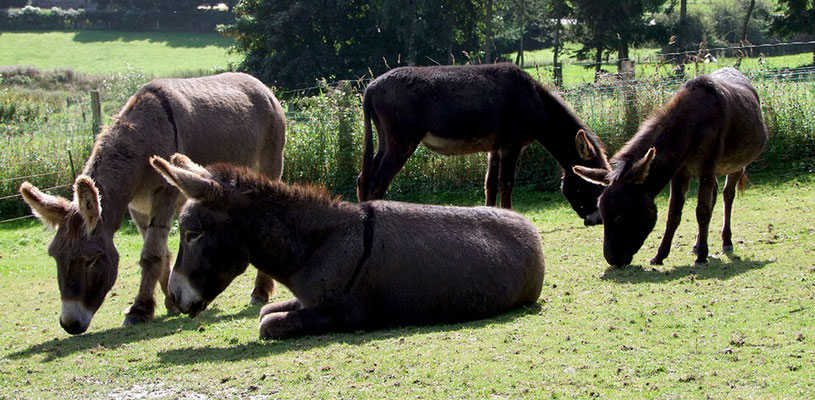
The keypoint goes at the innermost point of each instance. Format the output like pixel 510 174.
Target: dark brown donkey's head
pixel 581 193
pixel 87 260
pixel 628 211
pixel 212 251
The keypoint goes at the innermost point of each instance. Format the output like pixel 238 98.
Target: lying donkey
pixel 350 266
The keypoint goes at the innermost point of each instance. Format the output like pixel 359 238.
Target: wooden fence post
pixel 628 74
pixel 96 109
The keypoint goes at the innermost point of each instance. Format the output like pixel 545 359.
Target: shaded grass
pixel 736 328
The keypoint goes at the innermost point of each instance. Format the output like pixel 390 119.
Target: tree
pixel 795 16
pixel 615 25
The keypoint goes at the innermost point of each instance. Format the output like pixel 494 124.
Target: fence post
pixel 627 74
pixel 96 109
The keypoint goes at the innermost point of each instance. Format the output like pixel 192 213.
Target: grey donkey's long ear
pixel 593 175
pixel 584 147
pixel 182 161
pixel 88 201
pixel 194 182
pixel 51 210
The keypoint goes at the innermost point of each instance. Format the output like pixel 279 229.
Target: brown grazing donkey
pixel 350 266
pixel 229 117
pixel 711 127
pixel 495 108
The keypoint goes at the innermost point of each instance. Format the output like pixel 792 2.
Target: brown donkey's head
pixel 87 260
pixel 213 251
pixel 628 211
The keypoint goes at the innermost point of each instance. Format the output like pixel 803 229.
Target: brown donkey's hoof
pixel 727 249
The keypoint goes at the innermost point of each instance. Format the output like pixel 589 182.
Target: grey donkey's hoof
pixel 131 320
pixel 256 300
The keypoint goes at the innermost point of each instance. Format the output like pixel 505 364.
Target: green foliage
pixel 795 16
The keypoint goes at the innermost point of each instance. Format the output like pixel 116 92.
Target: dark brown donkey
pixel 229 117
pixel 495 108
pixel 711 127
pixel 350 266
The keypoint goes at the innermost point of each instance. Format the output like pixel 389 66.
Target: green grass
pixel 737 328
pixel 106 52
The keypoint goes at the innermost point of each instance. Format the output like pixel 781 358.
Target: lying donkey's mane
pixel 259 187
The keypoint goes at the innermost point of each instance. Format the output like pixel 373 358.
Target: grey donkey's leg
pixel 679 188
pixel 729 193
pixel 155 259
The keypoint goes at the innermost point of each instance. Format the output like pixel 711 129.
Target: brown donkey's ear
pixel 88 201
pixel 584 147
pixel 641 168
pixel 190 182
pixel 593 175
pixel 51 210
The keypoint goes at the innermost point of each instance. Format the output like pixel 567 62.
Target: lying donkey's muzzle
pixel 185 296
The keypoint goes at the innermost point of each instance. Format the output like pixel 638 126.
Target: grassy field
pixel 740 327
pixel 106 53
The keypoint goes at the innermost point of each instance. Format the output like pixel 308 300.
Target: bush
pixel 32 18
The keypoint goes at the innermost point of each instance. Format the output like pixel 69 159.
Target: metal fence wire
pixel 324 138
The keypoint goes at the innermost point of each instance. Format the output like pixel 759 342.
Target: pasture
pixel 739 327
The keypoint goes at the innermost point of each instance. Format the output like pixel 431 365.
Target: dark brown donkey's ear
pixel 88 201
pixel 195 183
pixel 584 147
pixel 593 175
pixel 642 167
pixel 51 210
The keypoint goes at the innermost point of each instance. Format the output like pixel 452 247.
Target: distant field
pixel 104 52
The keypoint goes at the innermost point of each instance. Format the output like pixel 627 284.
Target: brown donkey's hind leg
pixel 506 174
pixel 491 178
pixel 704 209
pixel 729 193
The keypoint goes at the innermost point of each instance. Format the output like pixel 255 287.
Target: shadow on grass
pixel 259 349
pixel 715 269
pixel 182 40
pixel 113 338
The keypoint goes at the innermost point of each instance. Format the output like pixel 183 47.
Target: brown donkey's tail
pixel 743 181
pixel 364 179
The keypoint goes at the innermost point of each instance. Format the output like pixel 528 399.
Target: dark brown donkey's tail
pixel 364 179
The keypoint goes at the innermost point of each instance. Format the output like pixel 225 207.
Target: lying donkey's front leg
pixel 286 324
pixel 288 305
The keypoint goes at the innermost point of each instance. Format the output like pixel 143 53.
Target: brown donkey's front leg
pixel 307 321
pixel 155 260
pixel 506 174
pixel 704 209
pixel 729 193
pixel 679 188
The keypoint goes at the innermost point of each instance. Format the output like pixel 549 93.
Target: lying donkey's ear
pixel 593 175
pixel 191 182
pixel 51 210
pixel 182 161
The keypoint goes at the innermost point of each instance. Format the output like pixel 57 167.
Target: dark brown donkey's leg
pixel 679 188
pixel 506 175
pixel 491 179
pixel 307 321
pixel 155 259
pixel 704 209
pixel 399 146
pixel 729 193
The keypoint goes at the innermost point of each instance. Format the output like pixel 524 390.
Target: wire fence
pixel 324 135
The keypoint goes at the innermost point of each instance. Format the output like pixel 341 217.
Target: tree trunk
pixel 520 58
pixel 558 71
pixel 414 19
pixel 747 20
pixel 488 35
pixel 598 60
